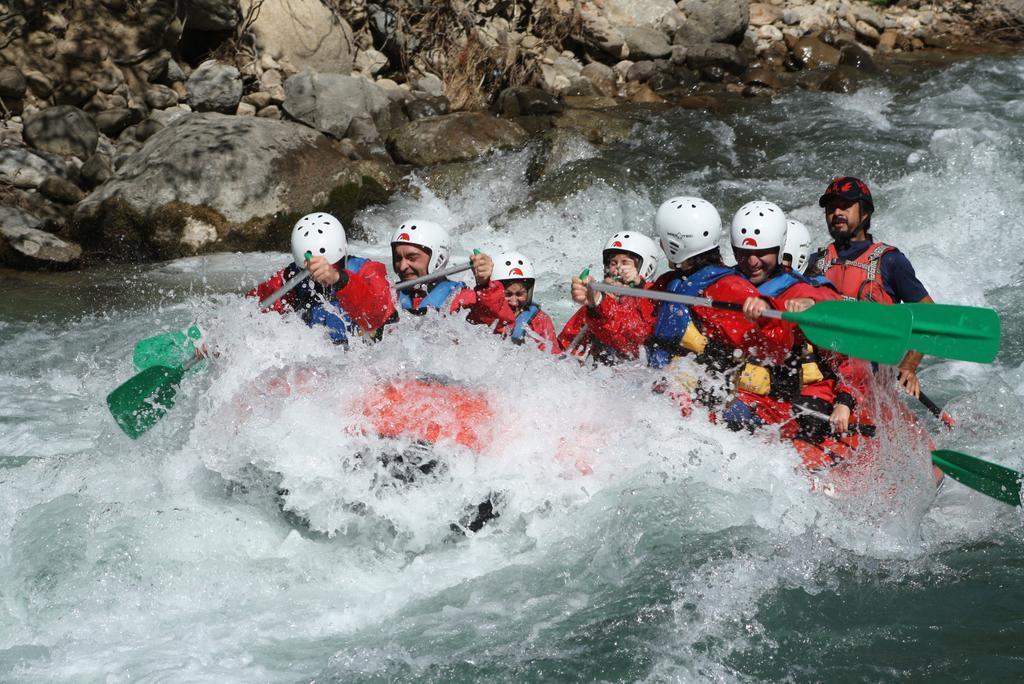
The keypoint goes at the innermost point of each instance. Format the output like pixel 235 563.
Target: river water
pixel 689 553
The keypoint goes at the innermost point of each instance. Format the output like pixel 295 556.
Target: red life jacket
pixel 859 278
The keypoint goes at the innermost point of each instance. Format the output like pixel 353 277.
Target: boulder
pixel 811 53
pixel 853 55
pixel 866 33
pixel 161 97
pixel 329 102
pixel 597 32
pixel 427 106
pixel 24 246
pixel 841 80
pixel 716 56
pixel 213 15
pixel 645 43
pixel 25 168
pixel 601 77
pixel 305 33
pixel 96 170
pixel 763 14
pixel 60 190
pixel 214 87
pixel 528 101
pixel 212 182
pixel 597 126
pixel 868 16
pixel 719 21
pixel 454 137
pixel 637 12
pixel 810 18
pixel 63 130
pixel 12 83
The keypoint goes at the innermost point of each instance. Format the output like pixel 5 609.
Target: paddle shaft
pixel 675 298
pixel 430 277
pixel 285 289
pixel 937 411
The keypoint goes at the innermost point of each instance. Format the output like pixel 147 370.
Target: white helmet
pixel 512 266
pixel 638 244
pixel 687 226
pixel 798 244
pixel 321 235
pixel 426 235
pixel 759 225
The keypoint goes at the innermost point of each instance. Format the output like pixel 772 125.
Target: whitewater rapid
pixel 688 553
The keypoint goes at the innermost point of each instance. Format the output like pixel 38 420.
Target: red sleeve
pixel 366 298
pixel 486 304
pixel 269 287
pixel 571 330
pixel 545 328
pixel 808 291
pixel 769 339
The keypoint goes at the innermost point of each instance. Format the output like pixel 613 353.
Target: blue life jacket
pixel 438 296
pixel 673 319
pixel 522 321
pixel 325 310
pixel 776 285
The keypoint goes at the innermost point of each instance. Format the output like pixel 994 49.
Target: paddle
pixel 583 329
pixel 139 402
pixel 991 479
pixel 936 411
pixel 866 330
pixel 171 348
pixel 967 333
pixel 436 275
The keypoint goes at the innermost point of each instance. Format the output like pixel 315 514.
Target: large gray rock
pixel 329 102
pixel 454 137
pixel 23 245
pixel 211 182
pixel 645 43
pixel 637 12
pixel 25 168
pixel 305 33
pixel 213 15
pixel 214 87
pixel 63 129
pixel 713 21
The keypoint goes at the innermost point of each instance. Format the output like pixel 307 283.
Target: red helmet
pixel 848 188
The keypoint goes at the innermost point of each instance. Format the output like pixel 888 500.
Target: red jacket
pixel 618 324
pixel 845 370
pixel 365 297
pixel 769 340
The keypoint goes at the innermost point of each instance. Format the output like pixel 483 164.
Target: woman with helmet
pixel 519 317
pixel 342 291
pixel 419 247
pixel 607 328
pixel 813 384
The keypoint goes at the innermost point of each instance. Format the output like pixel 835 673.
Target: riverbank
pixel 133 133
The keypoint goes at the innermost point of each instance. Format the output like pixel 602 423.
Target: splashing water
pixel 258 533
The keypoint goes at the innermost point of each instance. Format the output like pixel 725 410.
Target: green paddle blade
pixel 172 348
pixel 866 330
pixel 991 479
pixel 967 333
pixel 141 401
